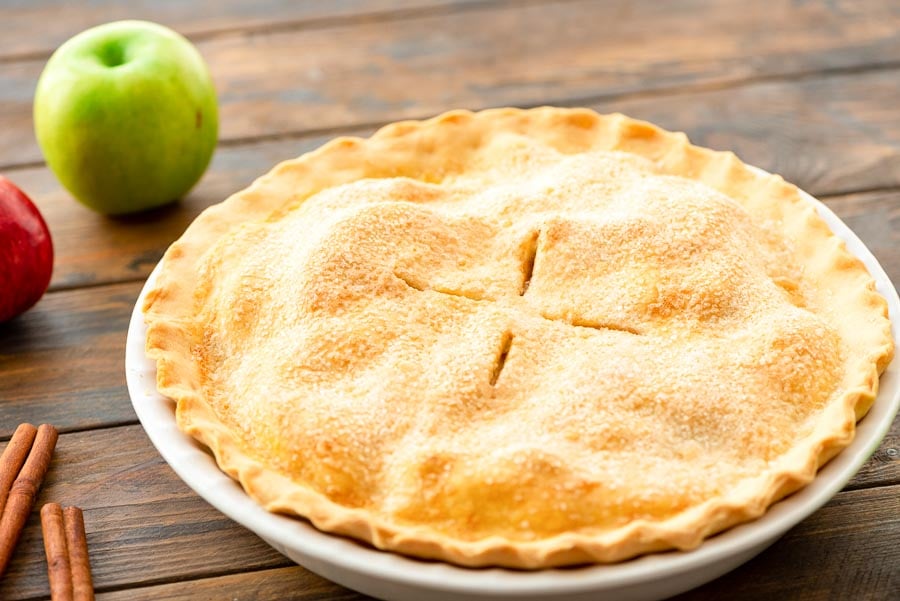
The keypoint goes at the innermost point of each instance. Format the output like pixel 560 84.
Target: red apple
pixel 26 252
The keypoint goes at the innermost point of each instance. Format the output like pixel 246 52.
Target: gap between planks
pixel 867 485
pixel 75 430
pixel 199 576
pixel 874 190
pixel 212 575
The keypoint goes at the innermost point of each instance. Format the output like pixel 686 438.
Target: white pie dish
pixel 390 576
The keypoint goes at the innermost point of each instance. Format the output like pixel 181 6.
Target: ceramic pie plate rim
pixel 388 575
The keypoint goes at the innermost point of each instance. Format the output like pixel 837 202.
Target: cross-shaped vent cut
pixel 529 256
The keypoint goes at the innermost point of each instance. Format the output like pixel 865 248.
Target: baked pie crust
pixel 522 338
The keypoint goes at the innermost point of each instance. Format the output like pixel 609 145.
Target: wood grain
pixel 143 524
pixel 883 468
pixel 293 81
pixel 806 89
pixel 820 559
pixel 777 126
pixel 63 362
pixel 875 218
pixel 830 135
pixel 284 584
pixel 58 20
pixel 138 513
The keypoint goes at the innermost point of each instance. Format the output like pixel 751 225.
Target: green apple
pixel 126 116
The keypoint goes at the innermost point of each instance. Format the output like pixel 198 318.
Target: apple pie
pixel 522 338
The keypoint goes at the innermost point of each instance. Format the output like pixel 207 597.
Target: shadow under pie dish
pixel 517 338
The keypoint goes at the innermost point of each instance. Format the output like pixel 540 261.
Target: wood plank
pixel 145 527
pixel 63 361
pixel 143 524
pixel 883 467
pixel 829 135
pixel 293 81
pixel 58 20
pixel 780 128
pixel 846 550
pixel 875 218
pixel 284 584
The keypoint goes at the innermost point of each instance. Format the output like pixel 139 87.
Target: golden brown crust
pixel 439 150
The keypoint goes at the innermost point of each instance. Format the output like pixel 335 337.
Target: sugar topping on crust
pixel 533 357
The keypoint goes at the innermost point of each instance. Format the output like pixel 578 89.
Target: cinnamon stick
pixel 24 490
pixel 65 543
pixel 58 569
pixel 79 561
pixel 13 457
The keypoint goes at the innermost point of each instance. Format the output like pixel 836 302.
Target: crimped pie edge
pixel 169 306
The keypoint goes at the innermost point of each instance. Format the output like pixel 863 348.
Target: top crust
pixel 525 338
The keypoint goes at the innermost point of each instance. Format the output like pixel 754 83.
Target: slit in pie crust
pixel 524 338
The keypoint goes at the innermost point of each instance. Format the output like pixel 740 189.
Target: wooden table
pixel 806 89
